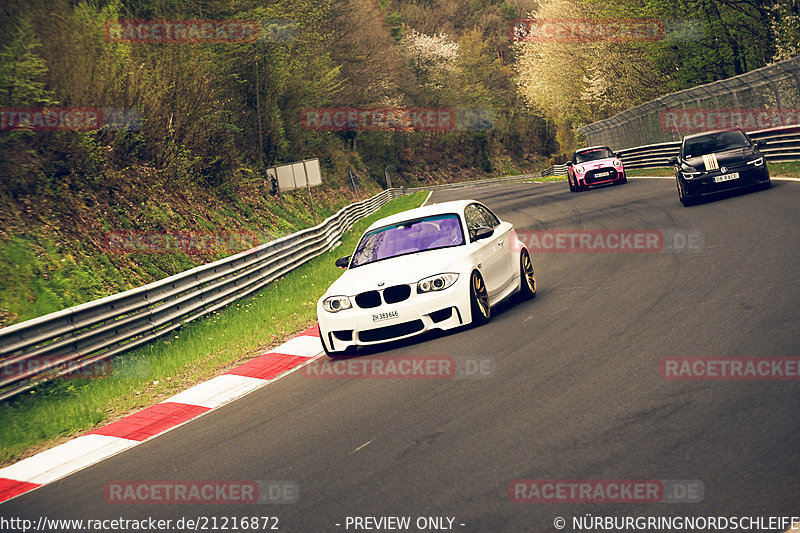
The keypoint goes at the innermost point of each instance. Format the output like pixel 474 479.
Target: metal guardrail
pixel 555 170
pixel 70 340
pixel 781 144
pixel 650 156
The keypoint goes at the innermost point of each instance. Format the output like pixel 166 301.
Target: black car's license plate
pixel 726 177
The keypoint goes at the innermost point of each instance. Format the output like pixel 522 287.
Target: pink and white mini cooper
pixel 596 165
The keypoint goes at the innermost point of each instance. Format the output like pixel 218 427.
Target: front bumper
pixel 596 177
pixel 704 184
pixel 357 326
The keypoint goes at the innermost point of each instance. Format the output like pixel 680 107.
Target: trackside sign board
pixel 297 175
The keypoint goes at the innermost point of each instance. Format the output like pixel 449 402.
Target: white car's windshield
pixel 429 233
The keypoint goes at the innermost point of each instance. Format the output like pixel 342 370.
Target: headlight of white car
pixel 579 170
pixel 439 282
pixel 617 163
pixel 334 304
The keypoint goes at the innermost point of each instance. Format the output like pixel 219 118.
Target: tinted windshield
pixel 714 142
pixel 593 155
pixel 439 231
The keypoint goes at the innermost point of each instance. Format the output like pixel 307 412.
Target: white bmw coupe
pixel 434 267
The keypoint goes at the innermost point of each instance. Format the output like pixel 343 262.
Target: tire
pixel 479 299
pixel 527 278
pixel 681 196
pixel 571 186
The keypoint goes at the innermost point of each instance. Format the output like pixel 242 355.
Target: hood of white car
pixel 404 269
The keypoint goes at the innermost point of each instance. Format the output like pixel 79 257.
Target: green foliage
pixel 22 70
pixel 216 113
pixel 395 20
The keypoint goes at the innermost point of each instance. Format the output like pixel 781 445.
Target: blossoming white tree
pixel 433 57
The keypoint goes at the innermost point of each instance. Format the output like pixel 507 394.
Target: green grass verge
pixel 784 170
pixel 64 408
pixel 651 172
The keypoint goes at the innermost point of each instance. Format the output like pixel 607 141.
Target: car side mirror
pixel 673 161
pixel 482 233
pixel 759 144
pixel 568 163
pixel 342 262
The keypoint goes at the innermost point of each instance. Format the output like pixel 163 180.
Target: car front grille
pixel 391 332
pixel 395 294
pixel 369 299
pixel 391 295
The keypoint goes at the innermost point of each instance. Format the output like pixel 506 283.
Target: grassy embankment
pixel 64 408
pixel 55 251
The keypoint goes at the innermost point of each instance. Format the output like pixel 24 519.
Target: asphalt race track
pixel 576 393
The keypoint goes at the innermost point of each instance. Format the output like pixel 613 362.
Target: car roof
pixel 456 206
pixel 721 130
pixel 579 150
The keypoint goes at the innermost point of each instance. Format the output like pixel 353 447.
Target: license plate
pixel 385 316
pixel 602 174
pixel 726 177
